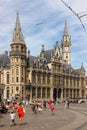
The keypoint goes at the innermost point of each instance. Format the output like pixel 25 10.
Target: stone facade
pixel 47 76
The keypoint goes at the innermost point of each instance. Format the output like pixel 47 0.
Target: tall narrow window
pixel 17 71
pixel 7 78
pixel 0 77
pixel 22 70
pixel 22 48
pixel 17 47
pixel 22 79
pixel 17 79
pixel 12 79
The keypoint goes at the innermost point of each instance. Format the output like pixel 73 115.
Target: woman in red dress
pixel 20 112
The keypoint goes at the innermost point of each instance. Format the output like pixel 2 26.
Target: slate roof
pixel 4 60
pixel 49 54
pixel 68 68
pixel 30 61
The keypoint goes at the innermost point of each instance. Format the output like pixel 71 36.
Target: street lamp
pixel 28 90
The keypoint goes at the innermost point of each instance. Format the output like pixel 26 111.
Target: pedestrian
pixel 12 118
pixel 27 103
pixel 0 116
pixel 20 112
pixel 52 108
pixel 66 104
pixel 35 107
pixel 0 112
pixel 44 105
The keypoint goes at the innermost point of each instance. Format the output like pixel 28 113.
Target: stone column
pixel 31 94
pixel 61 94
pixel 36 92
pixel 36 80
pixel 72 93
pixel 51 93
pixel 69 83
pixel 73 84
pixel 41 92
pixel 46 92
pixel 65 82
pixel 76 83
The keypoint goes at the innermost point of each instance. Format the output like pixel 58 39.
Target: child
pixel 12 118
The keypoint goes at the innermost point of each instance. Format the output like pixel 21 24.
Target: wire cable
pixel 77 15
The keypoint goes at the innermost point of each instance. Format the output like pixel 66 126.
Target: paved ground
pixel 73 119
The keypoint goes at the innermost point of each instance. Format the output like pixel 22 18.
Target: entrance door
pixel 55 94
pixel 59 93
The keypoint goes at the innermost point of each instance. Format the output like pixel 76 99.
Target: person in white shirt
pixel 12 118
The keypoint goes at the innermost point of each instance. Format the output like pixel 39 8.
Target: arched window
pixel 8 92
pixel 17 89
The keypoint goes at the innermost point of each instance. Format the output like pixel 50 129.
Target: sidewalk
pixel 80 122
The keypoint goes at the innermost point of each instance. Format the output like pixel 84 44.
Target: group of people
pixel 38 106
pixel 13 108
pixel 18 109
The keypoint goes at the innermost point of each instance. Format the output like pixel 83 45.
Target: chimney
pixel 28 53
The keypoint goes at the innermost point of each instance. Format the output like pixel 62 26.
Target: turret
pixel 18 59
pixel 66 46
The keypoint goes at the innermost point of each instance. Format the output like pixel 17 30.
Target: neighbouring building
pixel 86 85
pixel 47 76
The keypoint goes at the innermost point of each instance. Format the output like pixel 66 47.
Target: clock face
pixel 66 48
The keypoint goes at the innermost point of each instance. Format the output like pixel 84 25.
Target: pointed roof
pixel 4 60
pixel 82 66
pixel 17 34
pixel 65 28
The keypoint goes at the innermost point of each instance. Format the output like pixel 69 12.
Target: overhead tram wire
pixel 47 20
pixel 77 15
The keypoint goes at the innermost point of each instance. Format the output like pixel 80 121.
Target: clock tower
pixel 66 46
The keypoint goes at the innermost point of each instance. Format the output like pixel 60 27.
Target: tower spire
pixel 17 34
pixel 65 28
pixel 66 44
pixel 82 66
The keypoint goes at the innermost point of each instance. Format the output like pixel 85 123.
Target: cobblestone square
pixel 73 119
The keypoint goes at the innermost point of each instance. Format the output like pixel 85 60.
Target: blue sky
pixel 42 22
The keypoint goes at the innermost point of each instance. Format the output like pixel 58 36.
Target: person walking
pixel 52 108
pixel 0 113
pixel 66 104
pixel 44 105
pixel 20 113
pixel 12 118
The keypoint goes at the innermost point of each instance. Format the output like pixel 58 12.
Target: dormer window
pixel 17 47
pixel 12 48
pixel 22 48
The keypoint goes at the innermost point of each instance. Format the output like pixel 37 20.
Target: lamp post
pixel 28 90
pixel 2 87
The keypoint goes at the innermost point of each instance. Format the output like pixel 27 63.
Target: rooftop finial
pixel 65 28
pixel 82 66
pixel 17 13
